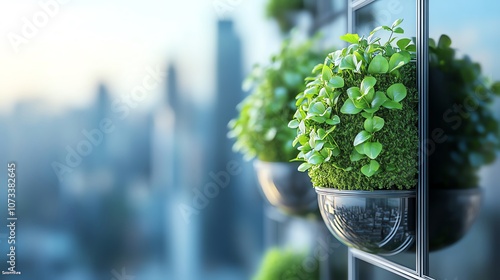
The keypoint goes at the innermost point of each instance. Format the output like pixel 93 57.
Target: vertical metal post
pixel 351 266
pixel 352 270
pixel 422 263
pixel 350 17
pixel 422 257
pixel 325 272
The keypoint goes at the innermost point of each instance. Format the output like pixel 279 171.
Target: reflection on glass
pixel 334 30
pixel 472 26
pixel 385 12
pixel 464 137
pixel 452 213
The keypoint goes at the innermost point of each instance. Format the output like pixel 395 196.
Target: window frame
pixel 422 245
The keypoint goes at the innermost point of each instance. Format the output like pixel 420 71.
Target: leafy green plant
pixel 282 264
pixel 261 128
pixel 280 9
pixel 460 100
pixel 357 119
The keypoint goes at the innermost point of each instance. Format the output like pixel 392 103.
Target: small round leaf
pixel 397 92
pixel 336 82
pixel 316 109
pixel 389 104
pixel 304 166
pixel 293 124
pixel 378 65
pixel 373 149
pixel 362 137
pixel 371 168
pixel 355 156
pixel 349 108
pixel 379 99
pixel 374 124
pixel 326 73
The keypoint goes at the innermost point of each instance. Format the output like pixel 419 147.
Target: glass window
pixel 385 12
pixel 472 27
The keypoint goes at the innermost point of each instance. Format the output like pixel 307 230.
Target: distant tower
pixel 100 156
pixel 163 153
pixel 171 154
pixel 228 86
pixel 220 241
pixel 172 90
pixel 102 102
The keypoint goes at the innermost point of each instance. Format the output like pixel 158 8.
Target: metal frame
pixel 422 244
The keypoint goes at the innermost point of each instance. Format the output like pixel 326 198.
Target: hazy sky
pixel 83 42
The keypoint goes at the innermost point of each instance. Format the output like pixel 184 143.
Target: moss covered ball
pixel 399 139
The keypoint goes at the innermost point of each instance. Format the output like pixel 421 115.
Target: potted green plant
pixel 261 129
pixel 467 135
pixel 287 264
pixel 357 134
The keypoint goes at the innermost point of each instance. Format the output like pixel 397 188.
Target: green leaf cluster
pixel 356 120
pixel 460 100
pixel 261 127
pixel 286 264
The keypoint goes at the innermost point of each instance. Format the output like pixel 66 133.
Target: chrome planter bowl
pixel 378 222
pixel 287 188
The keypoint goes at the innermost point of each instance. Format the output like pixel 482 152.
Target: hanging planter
pixel 261 129
pixel 357 135
pixel 379 222
pixel 464 141
pixel 286 188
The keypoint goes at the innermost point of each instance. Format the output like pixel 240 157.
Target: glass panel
pixel 385 12
pixel 333 30
pixel 382 274
pixel 463 121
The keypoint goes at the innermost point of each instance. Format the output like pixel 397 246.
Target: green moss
pixel 281 264
pixel 399 138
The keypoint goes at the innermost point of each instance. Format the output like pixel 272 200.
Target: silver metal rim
pixel 375 193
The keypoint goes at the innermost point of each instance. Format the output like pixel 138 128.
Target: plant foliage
pixel 357 118
pixel 261 128
pixel 282 264
pixel 461 115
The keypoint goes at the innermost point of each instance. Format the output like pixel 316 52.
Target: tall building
pixel 232 213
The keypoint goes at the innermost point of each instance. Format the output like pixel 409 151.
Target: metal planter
pixel 286 188
pixel 378 222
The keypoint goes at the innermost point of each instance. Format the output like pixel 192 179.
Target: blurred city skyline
pixel 110 180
